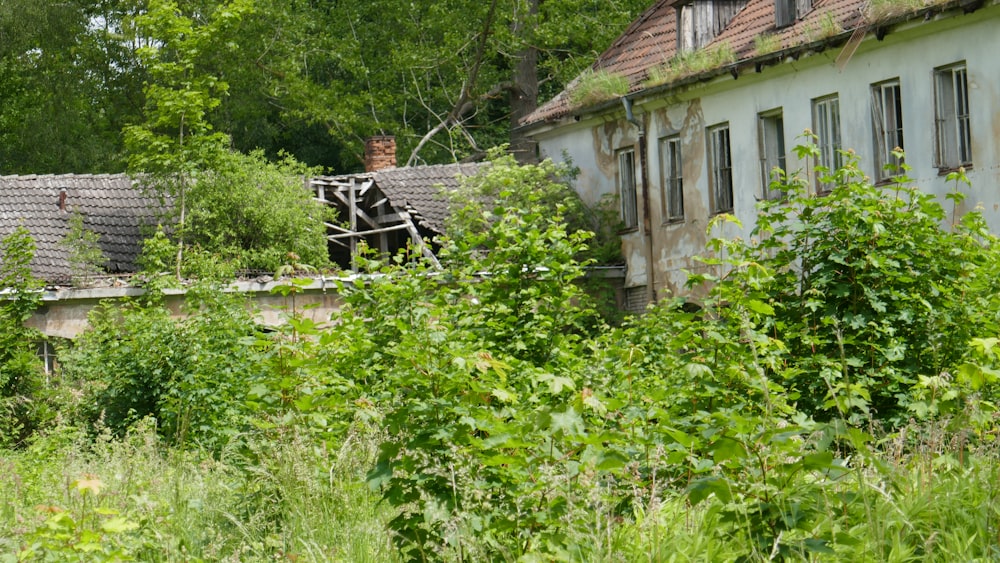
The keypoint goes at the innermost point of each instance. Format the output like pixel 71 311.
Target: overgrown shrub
pixel 191 375
pixel 21 383
pixel 872 288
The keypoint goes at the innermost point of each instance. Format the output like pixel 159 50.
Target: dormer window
pixel 700 21
pixel 787 11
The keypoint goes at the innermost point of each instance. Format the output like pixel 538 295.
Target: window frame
pixel 826 127
pixel 720 168
pixel 887 126
pixel 48 355
pixel 952 127
pixel 628 188
pixel 671 179
pixel 772 149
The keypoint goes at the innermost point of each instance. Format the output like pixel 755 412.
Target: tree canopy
pixel 311 78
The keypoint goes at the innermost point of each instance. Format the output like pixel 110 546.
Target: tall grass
pixel 920 495
pixel 274 499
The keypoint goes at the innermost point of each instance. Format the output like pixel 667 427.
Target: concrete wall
pixel 63 312
pixel 910 53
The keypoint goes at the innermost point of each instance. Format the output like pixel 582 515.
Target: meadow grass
pixel 273 500
pixel 285 498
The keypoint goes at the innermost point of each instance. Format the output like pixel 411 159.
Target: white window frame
pixel 672 179
pixel 627 191
pixel 771 144
pixel 720 163
pixel 953 147
pixel 46 352
pixel 826 127
pixel 887 126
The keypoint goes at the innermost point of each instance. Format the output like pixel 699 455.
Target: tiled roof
pixel 652 40
pixel 418 189
pixel 111 205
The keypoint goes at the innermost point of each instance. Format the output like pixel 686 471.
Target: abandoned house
pixel 719 91
pixel 387 208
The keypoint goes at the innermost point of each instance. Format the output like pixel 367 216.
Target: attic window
pixel 700 21
pixel 787 11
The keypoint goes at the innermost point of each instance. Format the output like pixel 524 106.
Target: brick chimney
pixel 380 153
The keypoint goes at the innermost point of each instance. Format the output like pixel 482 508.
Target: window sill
pixel 945 170
pixel 673 221
pixel 628 230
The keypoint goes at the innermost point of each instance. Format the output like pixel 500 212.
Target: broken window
pixel 826 127
pixel 721 165
pixel 700 21
pixel 887 121
pixel 626 188
pixel 673 181
pixel 787 11
pixel 951 117
pixel 771 133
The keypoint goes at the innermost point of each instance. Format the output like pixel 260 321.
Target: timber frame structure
pixel 367 215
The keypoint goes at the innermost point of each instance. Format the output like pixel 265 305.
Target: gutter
pixel 644 175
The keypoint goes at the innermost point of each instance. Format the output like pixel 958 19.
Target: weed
pixel 766 43
pixel 598 86
pixel 690 63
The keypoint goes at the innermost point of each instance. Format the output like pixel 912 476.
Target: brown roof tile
pixel 112 206
pixel 418 189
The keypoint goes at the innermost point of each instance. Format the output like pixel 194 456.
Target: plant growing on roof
pixel 86 259
pixel 177 141
pixel 690 63
pixel 596 86
pixel 766 43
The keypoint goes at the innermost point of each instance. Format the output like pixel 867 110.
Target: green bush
pixel 21 371
pixel 136 361
pixel 868 287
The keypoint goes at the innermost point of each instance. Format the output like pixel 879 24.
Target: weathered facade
pixel 702 143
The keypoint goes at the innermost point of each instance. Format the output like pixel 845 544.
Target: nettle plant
pixel 874 289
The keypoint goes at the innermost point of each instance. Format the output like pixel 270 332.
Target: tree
pixel 177 140
pixel 69 83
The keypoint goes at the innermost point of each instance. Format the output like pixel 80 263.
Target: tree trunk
pixel 524 90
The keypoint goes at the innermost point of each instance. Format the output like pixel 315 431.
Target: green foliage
pixel 20 369
pixel 137 361
pixel 865 288
pixel 544 188
pixel 86 259
pixel 690 63
pixel 500 419
pixel 89 533
pixel 254 213
pixel 596 87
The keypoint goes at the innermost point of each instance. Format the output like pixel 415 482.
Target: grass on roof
pixel 598 86
pixel 690 63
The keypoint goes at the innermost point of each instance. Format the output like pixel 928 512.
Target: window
pixel 787 11
pixel 700 21
pixel 626 188
pixel 672 179
pixel 887 119
pixel 721 165
pixel 47 353
pixel 771 132
pixel 951 117
pixel 826 126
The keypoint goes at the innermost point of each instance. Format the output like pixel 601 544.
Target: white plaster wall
pixel 910 54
